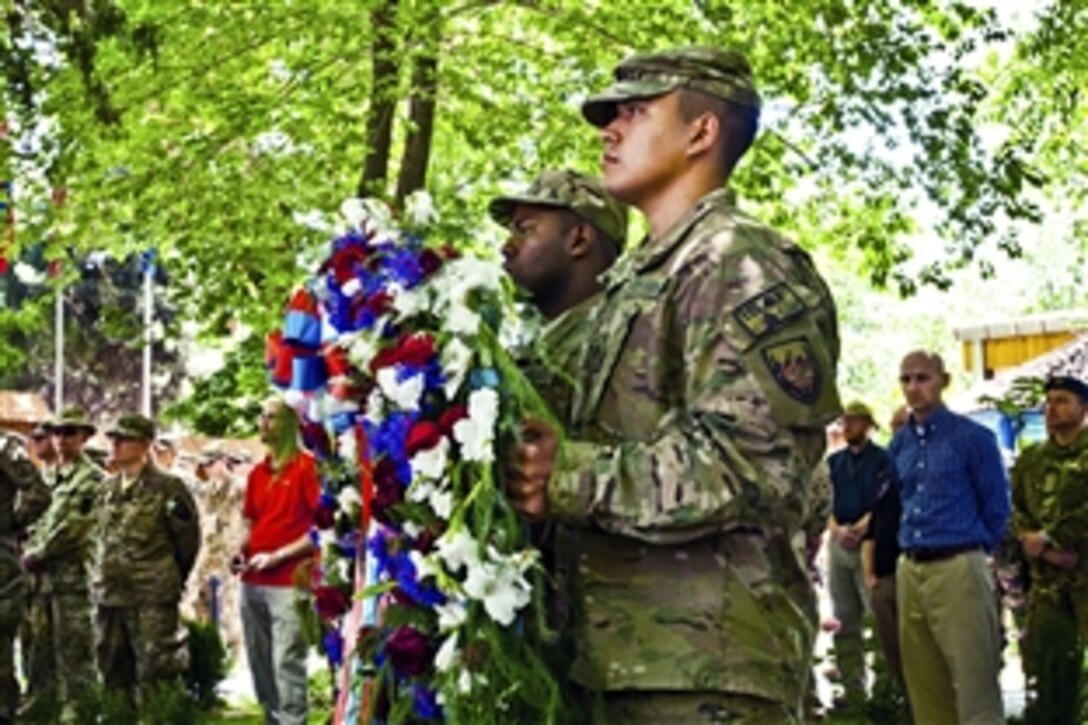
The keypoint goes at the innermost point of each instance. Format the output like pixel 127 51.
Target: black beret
pixel 1066 382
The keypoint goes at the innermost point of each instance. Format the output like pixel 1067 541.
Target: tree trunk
pixel 417 147
pixel 383 101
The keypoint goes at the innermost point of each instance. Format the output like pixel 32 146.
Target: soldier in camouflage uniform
pixel 23 498
pixel 565 231
pixel 58 555
pixel 1050 518
pixel 705 387
pixel 44 456
pixel 148 537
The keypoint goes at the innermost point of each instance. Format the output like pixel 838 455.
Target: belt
pixel 938 553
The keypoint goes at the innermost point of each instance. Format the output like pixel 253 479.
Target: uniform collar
pixel 651 252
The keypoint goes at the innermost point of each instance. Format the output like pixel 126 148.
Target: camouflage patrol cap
pixel 572 190
pixel 134 426
pixel 72 418
pixel 857 409
pixel 721 73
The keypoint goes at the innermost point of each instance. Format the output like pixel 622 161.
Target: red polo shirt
pixel 280 507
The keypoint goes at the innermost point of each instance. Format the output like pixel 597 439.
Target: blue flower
pixel 425 703
pixel 334 647
pixel 484 378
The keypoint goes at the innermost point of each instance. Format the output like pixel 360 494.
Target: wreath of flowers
pixel 391 354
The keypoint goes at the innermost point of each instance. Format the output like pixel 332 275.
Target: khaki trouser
pixel 677 708
pixel 950 640
pixel 276 650
pixel 846 582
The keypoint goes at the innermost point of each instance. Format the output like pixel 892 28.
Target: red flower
pixel 409 651
pixel 413 350
pixel 430 261
pixel 325 516
pixel 423 436
pixel 449 418
pixel 449 252
pixel 388 490
pixel 379 303
pixel 331 602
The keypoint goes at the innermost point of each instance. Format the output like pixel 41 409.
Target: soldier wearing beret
pixel 1050 518
pixel 148 537
pixel 703 392
pixel 58 555
pixel 23 498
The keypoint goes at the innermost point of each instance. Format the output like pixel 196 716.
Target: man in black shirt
pixel 857 472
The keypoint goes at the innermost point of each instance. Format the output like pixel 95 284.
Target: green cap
pixel 133 425
pixel 572 190
pixel 721 73
pixel 857 409
pixel 72 418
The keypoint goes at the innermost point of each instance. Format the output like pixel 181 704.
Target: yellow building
pixel 992 347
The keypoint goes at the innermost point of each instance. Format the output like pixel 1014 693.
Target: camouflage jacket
pixel 553 359
pixel 61 539
pixel 1050 493
pixel 706 382
pixel 148 538
pixel 23 498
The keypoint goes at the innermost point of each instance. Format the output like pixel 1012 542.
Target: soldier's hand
pixel 530 468
pixel 1061 558
pixel 1034 544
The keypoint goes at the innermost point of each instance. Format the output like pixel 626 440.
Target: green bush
pixel 208 663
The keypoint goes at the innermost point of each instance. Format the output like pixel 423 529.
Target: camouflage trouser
pixel 138 647
pixel 61 657
pixel 638 708
pixel 1054 634
pixel 12 601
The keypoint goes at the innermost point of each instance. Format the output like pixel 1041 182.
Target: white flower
pixel 451 615
pixel 483 406
pixel 375 407
pixel 349 498
pixel 366 214
pixel 352 287
pixel 425 566
pixel 404 394
pixel 460 320
pixel 464 682
pixel 448 655
pixel 500 584
pixel 471 273
pixel 361 349
pixel 458 549
pixel 421 490
pixel 431 463
pixel 476 434
pixel 441 503
pixel 409 302
pixel 419 208
pixel 412 529
pixel 456 359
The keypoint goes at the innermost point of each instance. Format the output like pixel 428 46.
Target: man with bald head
pixel 955 497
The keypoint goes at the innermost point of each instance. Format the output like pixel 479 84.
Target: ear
pixel 579 241
pixel 946 380
pixel 704 133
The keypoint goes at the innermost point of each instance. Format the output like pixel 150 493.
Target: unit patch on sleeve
pixel 770 310
pixel 793 365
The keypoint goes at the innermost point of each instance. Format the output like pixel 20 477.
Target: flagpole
pixel 149 302
pixel 58 354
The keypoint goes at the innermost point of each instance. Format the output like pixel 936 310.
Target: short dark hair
pixel 739 124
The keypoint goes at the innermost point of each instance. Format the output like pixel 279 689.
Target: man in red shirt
pixel 282 496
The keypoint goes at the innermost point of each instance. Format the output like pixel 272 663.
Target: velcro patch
pixel 793 365
pixel 769 311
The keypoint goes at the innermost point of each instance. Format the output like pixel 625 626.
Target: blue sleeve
pixel 991 484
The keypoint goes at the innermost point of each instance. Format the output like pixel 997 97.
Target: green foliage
pixel 227 403
pixel 208 663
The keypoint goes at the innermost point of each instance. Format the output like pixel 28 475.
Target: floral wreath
pixel 392 355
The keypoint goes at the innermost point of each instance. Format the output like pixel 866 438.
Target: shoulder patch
pixel 792 364
pixel 769 311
